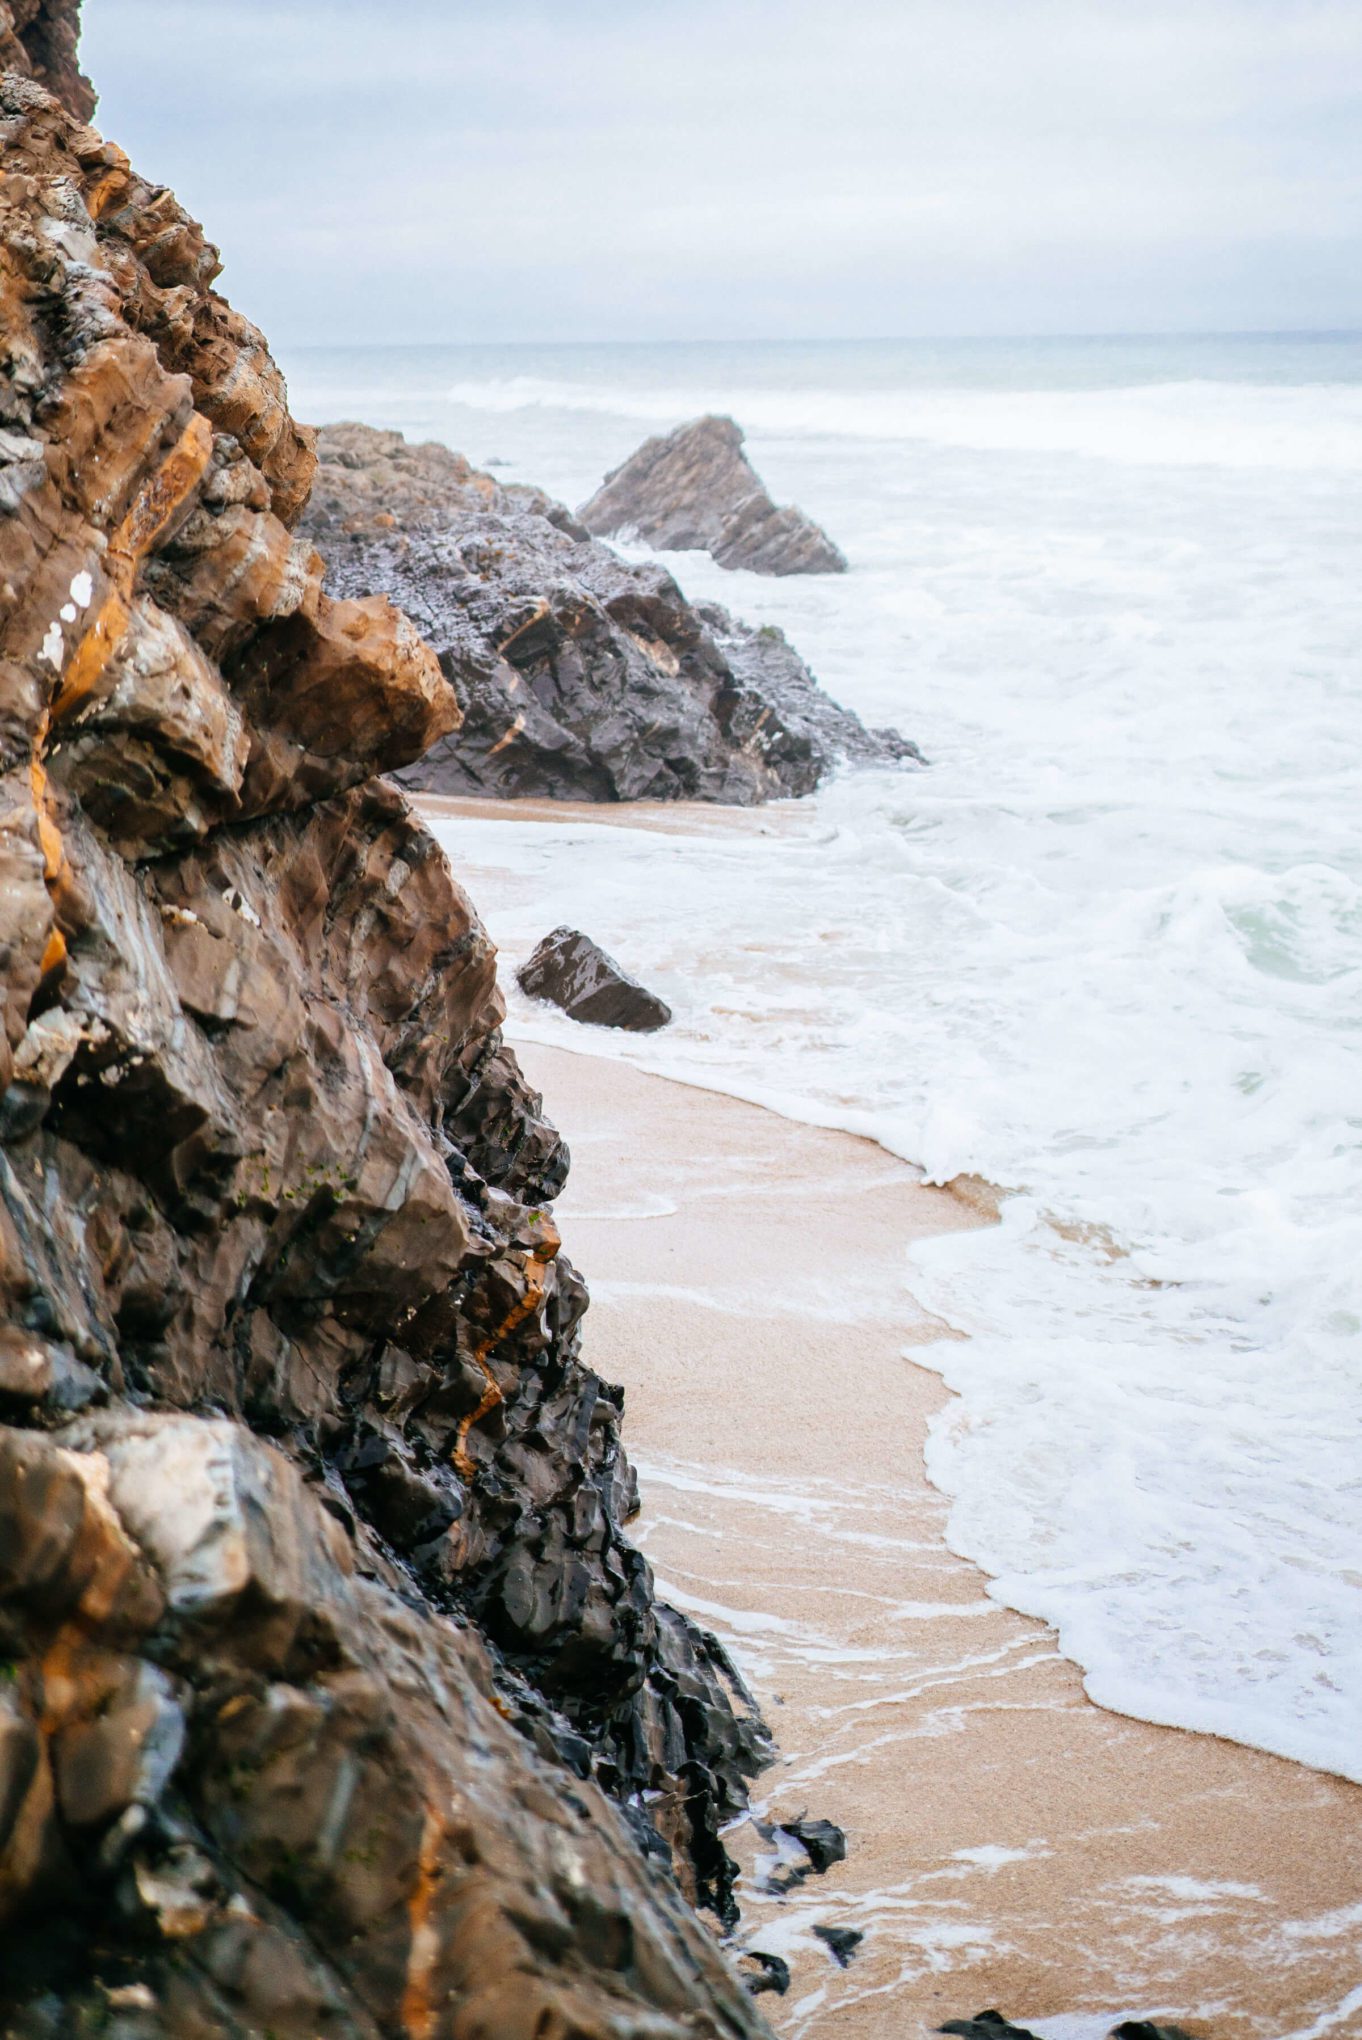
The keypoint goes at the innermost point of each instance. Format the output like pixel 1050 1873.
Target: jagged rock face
pixel 38 39
pixel 696 491
pixel 767 668
pixel 580 676
pixel 287 1801
pixel 324 1655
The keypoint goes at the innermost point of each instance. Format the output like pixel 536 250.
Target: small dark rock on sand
pixel 823 1839
pixel 570 970
pixel 842 1943
pixel 823 1844
pixel 772 1973
pixel 993 2026
pixel 1146 2029
pixel 986 2026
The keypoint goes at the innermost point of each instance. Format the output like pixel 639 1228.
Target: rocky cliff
pixel 580 676
pixel 38 39
pixel 333 1699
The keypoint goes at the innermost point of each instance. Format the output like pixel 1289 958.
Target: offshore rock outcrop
pixel 333 1698
pixel 580 676
pixel 695 490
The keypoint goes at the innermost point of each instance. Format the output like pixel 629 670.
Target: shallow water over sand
pixel 1009 1843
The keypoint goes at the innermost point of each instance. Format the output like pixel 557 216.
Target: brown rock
pixel 696 491
pixel 38 38
pixel 367 476
pixel 126 1754
pixel 348 1732
pixel 570 970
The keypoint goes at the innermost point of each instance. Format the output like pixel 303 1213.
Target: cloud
pixel 685 168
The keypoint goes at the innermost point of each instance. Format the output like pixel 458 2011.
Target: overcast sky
pixel 387 170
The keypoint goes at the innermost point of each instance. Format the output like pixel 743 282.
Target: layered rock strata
pixel 695 490
pixel 332 1698
pixel 580 676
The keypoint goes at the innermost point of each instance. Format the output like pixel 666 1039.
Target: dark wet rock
pixel 1147 2029
pixel 579 675
pixel 696 491
pixel 764 1972
pixel 333 1698
pixel 841 1942
pixel 767 666
pixel 821 1842
pixel 570 970
pixel 986 2026
pixel 824 1841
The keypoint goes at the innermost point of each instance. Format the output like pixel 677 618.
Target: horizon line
pixel 1300 333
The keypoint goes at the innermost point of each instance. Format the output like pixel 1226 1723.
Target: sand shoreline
pixel 1011 1843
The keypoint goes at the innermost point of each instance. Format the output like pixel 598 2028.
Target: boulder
pixel 769 671
pixel 992 2025
pixel 372 479
pixel 570 970
pixel 696 491
pixel 580 676
pixel 1147 2029
pixel 764 1972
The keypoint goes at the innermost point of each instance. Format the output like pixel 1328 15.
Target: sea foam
pixel 1193 423
pixel 1105 952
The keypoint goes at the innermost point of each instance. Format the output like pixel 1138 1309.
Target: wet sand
pixel 1010 1843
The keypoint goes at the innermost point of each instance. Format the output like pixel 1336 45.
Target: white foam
pixel 1174 424
pixel 992 1856
pixel 1105 953
pixel 1339 2019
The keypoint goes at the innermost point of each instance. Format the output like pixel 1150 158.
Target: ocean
pixel 1103 951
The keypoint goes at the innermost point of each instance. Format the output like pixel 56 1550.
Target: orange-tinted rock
pixel 38 38
pixel 351 1731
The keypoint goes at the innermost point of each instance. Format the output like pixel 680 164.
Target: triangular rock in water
pixel 573 972
pixel 696 491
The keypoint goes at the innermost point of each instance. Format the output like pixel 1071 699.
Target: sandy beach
pixel 1010 1844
